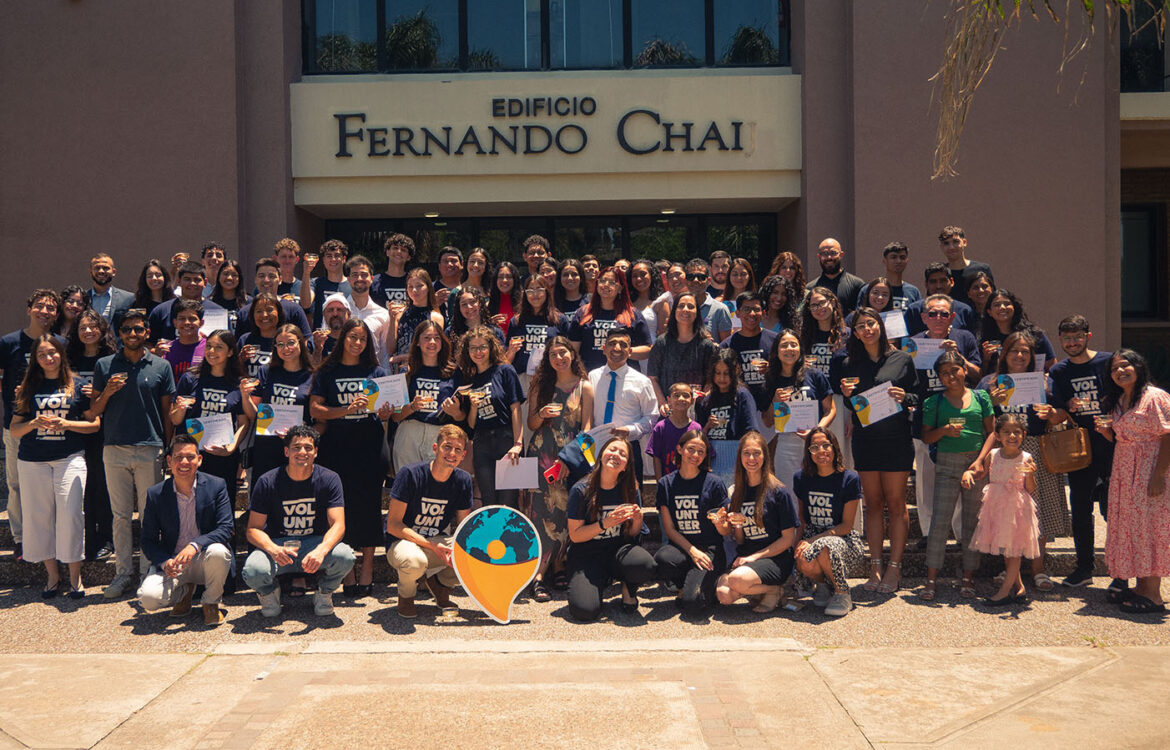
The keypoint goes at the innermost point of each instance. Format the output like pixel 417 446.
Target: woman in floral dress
pixel 560 406
pixel 1138 545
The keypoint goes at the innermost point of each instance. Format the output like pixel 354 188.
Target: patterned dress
pixel 550 502
pixel 410 320
pixel 1139 524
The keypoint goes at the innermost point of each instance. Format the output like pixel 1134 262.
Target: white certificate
pixel 212 429
pixel 390 389
pixel 895 324
pixel 1040 358
pixel 522 475
pixel 793 416
pixel 214 320
pixel 534 360
pixel 874 405
pixel 1022 388
pixel 924 352
pixel 275 419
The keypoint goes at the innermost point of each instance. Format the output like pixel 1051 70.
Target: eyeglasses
pixel 287 345
pixel 607 282
pixel 817 305
pixel 535 292
pixel 478 348
pixel 133 329
pixel 938 314
pixel 819 448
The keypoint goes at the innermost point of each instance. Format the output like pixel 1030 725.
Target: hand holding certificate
pixel 1022 388
pixel 795 416
pixel 924 352
pixel 212 429
pixel 214 320
pixel 390 390
pixel 277 419
pixel 894 322
pixel 874 405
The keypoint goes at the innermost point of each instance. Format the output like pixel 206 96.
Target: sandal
pixel 769 602
pixel 875 575
pixel 1140 605
pixel 560 580
pixel 1042 582
pixel 539 592
pixel 929 589
pixel 967 588
pixel 889 588
pixel 297 590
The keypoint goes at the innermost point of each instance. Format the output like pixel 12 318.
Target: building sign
pixel 552 126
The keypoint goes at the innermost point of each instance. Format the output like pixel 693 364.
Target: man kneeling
pixel 187 531
pixel 296 523
pixel 427 498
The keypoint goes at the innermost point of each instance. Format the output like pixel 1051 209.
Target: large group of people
pixel 687 372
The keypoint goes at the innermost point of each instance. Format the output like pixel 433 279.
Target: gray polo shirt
pixel 133 415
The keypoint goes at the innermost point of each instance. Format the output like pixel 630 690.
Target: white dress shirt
pixel 635 405
pixel 377 319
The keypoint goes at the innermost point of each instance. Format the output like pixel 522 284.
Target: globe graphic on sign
pixel 500 536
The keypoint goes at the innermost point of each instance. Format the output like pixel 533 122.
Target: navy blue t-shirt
pixel 779 515
pixel 503 389
pixel 50 445
pixel 823 351
pixel 1086 381
pixel 928 381
pixel 824 498
pixel 293 313
pixel 297 508
pixel 431 505
pixel 749 348
pixel 340 385
pixel 608 501
pixel 162 318
pixel 1036 426
pixel 536 332
pixel 133 415
pixel 964 317
pixel 15 351
pixel 385 289
pixel 322 288
pixel 814 386
pixel 735 408
pixel 688 501
pixel 279 386
pixel 429 382
pixel 591 336
pixel 266 347
pixel 213 395
pixel 1043 346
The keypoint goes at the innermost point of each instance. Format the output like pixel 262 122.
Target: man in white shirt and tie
pixel 623 397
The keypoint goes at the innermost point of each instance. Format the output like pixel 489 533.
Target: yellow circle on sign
pixel 496 549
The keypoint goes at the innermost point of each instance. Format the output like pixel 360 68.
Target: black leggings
pixel 1080 498
pixel 592 573
pixel 698 586
pixel 490 446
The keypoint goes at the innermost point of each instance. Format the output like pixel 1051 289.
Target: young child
pixel 1007 521
pixel 727 411
pixel 665 435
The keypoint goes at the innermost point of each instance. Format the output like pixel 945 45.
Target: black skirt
pixel 357 453
pixel 887 453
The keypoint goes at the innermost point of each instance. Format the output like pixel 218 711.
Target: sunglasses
pixel 696 277
pixel 938 314
pixel 133 329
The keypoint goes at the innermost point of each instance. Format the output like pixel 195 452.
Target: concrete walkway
pixel 628 694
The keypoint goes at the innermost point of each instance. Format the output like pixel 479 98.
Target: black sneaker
pixel 1078 578
pixel 106 552
pixel 1118 591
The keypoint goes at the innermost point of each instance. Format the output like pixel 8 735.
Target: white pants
pixel 53 495
pixel 12 476
pixel 413 442
pixel 924 491
pixel 130 471
pixel 789 456
pixel 210 568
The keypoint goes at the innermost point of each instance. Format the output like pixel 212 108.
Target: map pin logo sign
pixel 495 553
pixel 861 406
pixel 1008 384
pixel 780 415
pixel 264 417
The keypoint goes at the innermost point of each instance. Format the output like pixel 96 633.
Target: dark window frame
pixel 709 57
pixel 1158 262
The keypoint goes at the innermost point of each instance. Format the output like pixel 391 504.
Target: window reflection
pixel 422 36
pixel 668 32
pixel 585 33
pixel 747 32
pixel 346 36
pixel 503 35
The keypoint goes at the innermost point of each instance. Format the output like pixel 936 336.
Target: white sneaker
pixel 270 603
pixel 323 603
pixel 839 605
pixel 822 594
pixel 117 587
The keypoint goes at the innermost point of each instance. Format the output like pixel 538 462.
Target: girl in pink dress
pixel 1137 418
pixel 1007 519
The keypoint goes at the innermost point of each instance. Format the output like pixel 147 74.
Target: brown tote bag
pixel 1066 450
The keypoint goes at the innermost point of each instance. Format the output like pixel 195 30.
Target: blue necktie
pixel 609 397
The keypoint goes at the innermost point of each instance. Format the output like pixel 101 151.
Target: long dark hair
pixel 217 290
pixel 265 297
pixel 35 374
pixel 233 370
pixel 698 330
pixel 368 358
pixel 1008 344
pixel 655 290
pixel 414 361
pixel 772 380
pixel 808 324
pixel 1113 392
pixel 487 265
pixel 295 331
pixel 562 296
pixel 66 293
pixel 494 292
pixel 869 289
pixel 106 345
pixel 458 323
pixel 690 435
pixel 626 483
pixel 806 463
pixel 421 273
pixel 143 297
pixel 1019 322
pixel 544 380
pixel 769 484
pixel 730 294
pixel 855 348
pixel 730 358
pixel 495 351
pixel 548 311
pixel 798 281
pixel 787 313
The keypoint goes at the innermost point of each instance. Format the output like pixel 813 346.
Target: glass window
pixel 346 36
pixel 739 240
pixel 585 34
pixel 1139 278
pixel 422 35
pixel 503 35
pixel 747 32
pixel 502 236
pixel 588 236
pixel 674 238
pixel 667 33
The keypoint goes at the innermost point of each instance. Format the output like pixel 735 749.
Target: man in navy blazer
pixel 187 529
pixel 109 301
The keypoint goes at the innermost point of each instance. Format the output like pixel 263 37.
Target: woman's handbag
pixel 1066 450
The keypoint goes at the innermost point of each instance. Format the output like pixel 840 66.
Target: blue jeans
pixel 260 570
